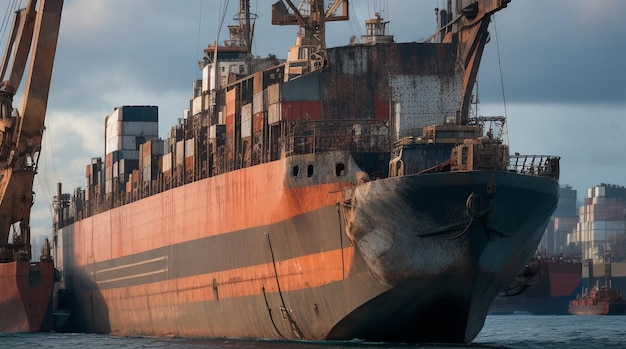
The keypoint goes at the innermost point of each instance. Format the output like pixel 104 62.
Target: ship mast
pixel 238 47
pixel 241 35
pixel 311 17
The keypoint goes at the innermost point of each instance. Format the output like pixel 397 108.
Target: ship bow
pixel 444 245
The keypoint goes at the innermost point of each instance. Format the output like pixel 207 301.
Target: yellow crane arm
pixel 21 132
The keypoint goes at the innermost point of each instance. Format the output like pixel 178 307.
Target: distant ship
pixel 25 286
pixel 343 193
pixel 600 300
pixel 556 284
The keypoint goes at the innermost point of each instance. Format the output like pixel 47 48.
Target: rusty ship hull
pixel 286 268
pixel 343 193
pixel 25 295
pixel 599 309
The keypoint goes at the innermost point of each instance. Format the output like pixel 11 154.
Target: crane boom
pixel 312 24
pixel 21 132
pixel 23 28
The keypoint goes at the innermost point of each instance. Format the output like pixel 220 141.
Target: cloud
pixel 549 54
pixel 591 146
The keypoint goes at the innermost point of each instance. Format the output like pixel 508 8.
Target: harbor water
pixel 500 331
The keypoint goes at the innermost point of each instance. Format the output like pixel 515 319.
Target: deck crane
pixel 311 16
pixel 33 39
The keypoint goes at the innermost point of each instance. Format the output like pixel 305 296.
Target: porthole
pixel 295 171
pixel 309 171
pixel 340 169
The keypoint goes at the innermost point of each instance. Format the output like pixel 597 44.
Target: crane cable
pixel 495 29
pixel 11 8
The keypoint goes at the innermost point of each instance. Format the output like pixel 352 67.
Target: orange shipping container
pixel 108 160
pixel 231 101
pixel 189 162
pixel 258 82
pixel 257 122
pixel 230 126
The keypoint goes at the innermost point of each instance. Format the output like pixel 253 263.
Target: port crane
pixel 33 38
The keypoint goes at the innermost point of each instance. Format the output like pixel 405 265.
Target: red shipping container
pixel 302 111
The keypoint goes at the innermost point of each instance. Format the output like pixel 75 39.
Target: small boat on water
pixel 599 301
pixel 603 300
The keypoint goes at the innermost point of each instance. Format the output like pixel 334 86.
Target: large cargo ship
pixel 25 286
pixel 558 281
pixel 342 193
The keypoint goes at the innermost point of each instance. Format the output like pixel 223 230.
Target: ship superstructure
pixel 342 193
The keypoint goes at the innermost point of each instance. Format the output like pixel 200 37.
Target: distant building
pixel 563 221
pixel 36 246
pixel 601 224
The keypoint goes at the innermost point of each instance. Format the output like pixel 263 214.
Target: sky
pixel 554 68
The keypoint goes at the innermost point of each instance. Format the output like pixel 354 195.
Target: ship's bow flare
pixel 444 244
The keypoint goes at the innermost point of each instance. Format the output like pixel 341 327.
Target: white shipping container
pixel 147 173
pixel 274 113
pixel 146 129
pixel 246 110
pixel 126 135
pixel 246 120
pixel 126 154
pixel 167 162
pixel 273 94
pixel 197 105
pixel 180 153
pixel 189 147
pixel 206 74
pixel 112 141
pixel 246 125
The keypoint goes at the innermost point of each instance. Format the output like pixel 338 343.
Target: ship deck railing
pixel 535 165
pixel 307 137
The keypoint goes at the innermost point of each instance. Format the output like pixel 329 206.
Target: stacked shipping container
pixel 263 117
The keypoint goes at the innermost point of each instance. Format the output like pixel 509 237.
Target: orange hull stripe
pixel 295 274
pixel 214 206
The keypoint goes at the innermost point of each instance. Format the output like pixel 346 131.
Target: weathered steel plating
pixel 343 193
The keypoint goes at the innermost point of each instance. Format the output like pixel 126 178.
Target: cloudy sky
pixel 562 64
